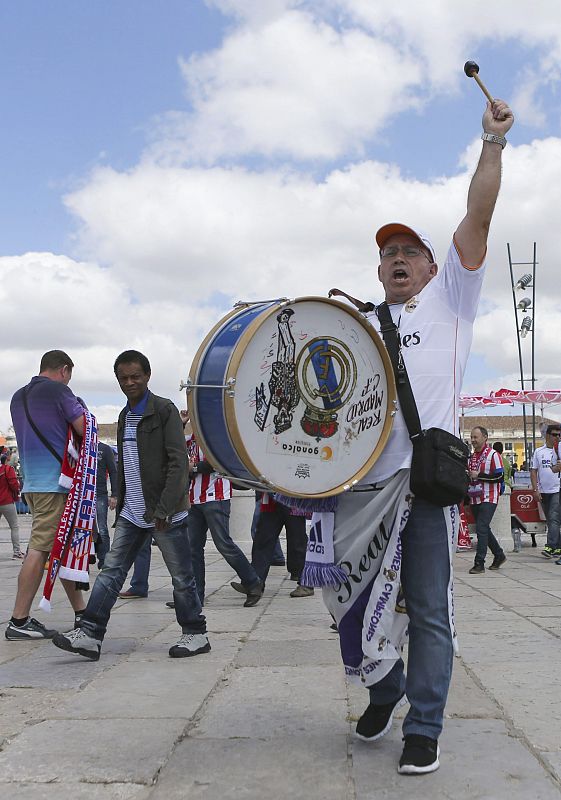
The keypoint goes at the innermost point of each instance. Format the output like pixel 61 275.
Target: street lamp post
pixel 526 326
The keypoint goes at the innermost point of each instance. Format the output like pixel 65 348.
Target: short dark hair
pixel 555 427
pixel 133 357
pixel 55 359
pixel 498 446
pixel 483 430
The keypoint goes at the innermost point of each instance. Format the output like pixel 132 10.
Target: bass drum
pixel 296 396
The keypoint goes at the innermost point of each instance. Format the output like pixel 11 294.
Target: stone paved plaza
pixel 267 714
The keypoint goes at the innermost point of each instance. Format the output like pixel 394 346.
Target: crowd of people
pixel 379 533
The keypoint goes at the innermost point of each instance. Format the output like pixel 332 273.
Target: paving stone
pixel 36 670
pixel 23 707
pixel 287 626
pixel 216 726
pixel 75 791
pixel 501 648
pixel 289 653
pixel 543 611
pixel 479 761
pixel 167 688
pixel 122 752
pixel 275 769
pixel 513 597
pixel 224 647
pixel 296 698
pixel 516 688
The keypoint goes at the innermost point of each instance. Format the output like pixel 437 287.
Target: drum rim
pixel 193 373
pixel 229 402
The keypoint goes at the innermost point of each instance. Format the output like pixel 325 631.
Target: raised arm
pixel 471 236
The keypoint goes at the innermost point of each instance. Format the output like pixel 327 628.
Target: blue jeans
pixel 550 503
pixel 215 516
pixel 128 539
pixel 103 542
pixel 141 571
pixel 425 574
pixel 278 554
pixel 483 514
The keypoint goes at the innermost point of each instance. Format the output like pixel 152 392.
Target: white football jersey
pixel 436 330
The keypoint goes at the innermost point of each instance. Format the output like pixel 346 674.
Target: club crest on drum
pixel 323 375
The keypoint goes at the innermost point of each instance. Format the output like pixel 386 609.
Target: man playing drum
pixel 434 309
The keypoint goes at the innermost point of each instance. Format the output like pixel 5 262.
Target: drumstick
pixel 472 69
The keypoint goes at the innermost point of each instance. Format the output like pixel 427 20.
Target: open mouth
pixel 400 275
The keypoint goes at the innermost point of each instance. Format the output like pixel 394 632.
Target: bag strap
pixel 36 430
pixel 388 329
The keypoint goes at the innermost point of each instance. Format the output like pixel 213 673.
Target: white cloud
pixel 320 80
pixel 254 235
pixel 181 236
pixel 291 86
pixel 85 310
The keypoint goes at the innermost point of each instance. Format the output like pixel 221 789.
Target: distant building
pixel 508 430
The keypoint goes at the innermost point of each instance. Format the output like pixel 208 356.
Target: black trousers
pixel 267 534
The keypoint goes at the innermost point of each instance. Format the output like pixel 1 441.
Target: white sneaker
pixel 190 644
pixel 78 641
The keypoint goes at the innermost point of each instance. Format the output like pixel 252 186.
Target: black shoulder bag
pixel 439 471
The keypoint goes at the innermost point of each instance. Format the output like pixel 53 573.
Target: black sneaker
pixel 498 561
pixel 547 551
pixel 420 755
pixel 31 630
pixel 377 720
pixel 477 569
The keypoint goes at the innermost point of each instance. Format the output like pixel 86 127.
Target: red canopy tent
pixel 540 397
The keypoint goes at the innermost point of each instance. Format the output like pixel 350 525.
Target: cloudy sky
pixel 162 160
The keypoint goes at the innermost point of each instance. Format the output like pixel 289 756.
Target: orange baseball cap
pixel 392 228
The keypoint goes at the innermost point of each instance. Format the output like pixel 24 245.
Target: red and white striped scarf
pixel 69 557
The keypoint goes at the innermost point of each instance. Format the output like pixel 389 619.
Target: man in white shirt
pixel 544 475
pixel 434 310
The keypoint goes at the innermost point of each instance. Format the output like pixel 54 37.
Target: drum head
pixel 314 396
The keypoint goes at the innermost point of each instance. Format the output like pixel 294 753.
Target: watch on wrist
pixel 492 137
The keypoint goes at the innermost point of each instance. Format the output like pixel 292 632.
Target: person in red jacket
pixel 9 493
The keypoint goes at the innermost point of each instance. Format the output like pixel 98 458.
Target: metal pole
pixel 533 349
pixel 526 458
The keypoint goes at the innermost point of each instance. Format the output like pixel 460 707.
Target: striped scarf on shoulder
pixel 69 557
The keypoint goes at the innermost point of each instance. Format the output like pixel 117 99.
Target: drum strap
pixel 389 331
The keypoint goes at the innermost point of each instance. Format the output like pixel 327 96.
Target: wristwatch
pixel 492 137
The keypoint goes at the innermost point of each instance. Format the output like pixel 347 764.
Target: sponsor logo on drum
pixel 302 471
